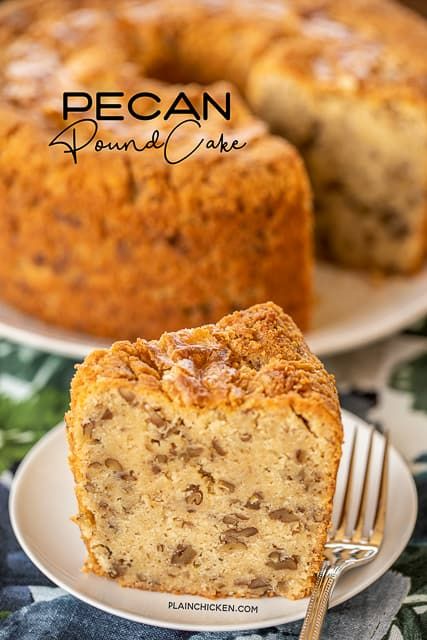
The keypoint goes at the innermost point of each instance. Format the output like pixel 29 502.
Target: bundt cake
pixel 205 462
pixel 125 244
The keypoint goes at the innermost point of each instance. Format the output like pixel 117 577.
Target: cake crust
pixel 253 362
pixel 247 356
pixel 133 248
pixel 142 246
pixel 351 86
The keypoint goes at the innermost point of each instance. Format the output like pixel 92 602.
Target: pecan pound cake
pixel 144 247
pixel 205 462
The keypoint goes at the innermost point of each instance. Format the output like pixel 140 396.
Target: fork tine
pixel 363 505
pixel 346 503
pixel 380 513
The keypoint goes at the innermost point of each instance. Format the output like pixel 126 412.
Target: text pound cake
pixel 144 245
pixel 205 462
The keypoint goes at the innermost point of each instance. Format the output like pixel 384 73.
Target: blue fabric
pixel 365 617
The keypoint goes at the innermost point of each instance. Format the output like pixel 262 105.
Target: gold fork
pixel 349 547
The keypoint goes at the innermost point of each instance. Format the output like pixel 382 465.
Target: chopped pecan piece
pixel 284 515
pixel 254 502
pixel 218 448
pixel 183 555
pixel 127 395
pixel 191 452
pixel 259 583
pixel 113 464
pixel 227 485
pixel 280 560
pixel 193 494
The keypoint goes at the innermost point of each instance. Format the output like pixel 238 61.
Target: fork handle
pixel 319 600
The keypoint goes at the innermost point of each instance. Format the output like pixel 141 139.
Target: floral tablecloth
pixel 385 383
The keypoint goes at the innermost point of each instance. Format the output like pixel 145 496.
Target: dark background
pixel 419 5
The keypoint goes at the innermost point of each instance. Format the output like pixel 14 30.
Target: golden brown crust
pixel 252 359
pixel 149 263
pixel 360 47
pixel 347 61
pixel 149 266
pixel 133 248
pixel 249 355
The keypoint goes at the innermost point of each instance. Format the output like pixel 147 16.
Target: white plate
pixel 351 309
pixel 42 501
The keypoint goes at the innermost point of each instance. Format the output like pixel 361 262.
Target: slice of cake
pixel 349 90
pixel 205 462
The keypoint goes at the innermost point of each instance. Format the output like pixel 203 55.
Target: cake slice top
pixel 247 358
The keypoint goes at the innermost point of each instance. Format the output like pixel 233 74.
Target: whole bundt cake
pixel 122 242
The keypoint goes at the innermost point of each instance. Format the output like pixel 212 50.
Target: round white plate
pixel 42 501
pixel 351 309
